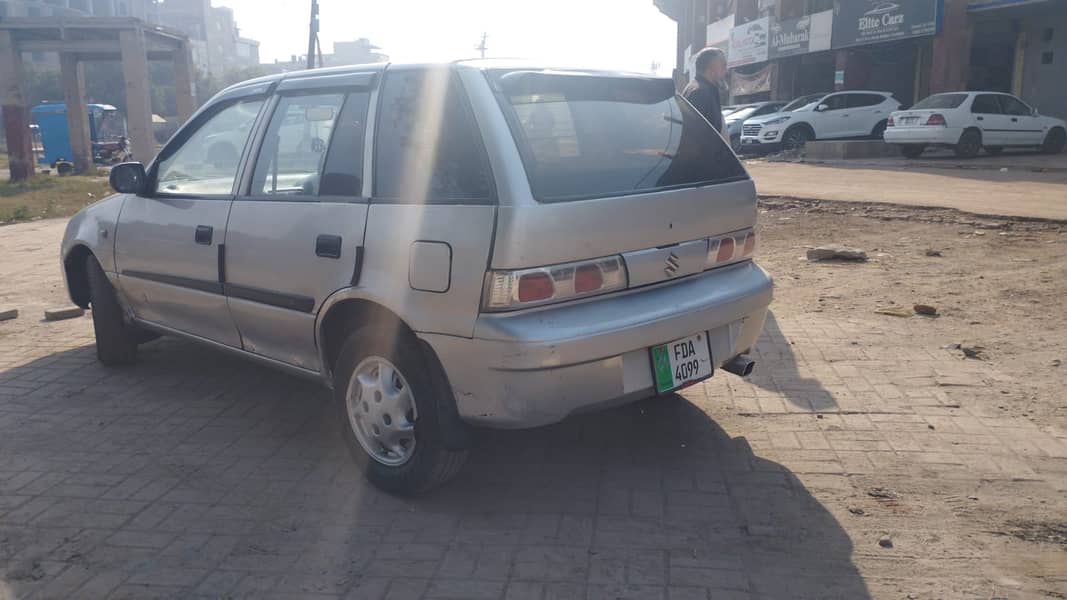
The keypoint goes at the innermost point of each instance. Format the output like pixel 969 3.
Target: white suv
pixel 852 114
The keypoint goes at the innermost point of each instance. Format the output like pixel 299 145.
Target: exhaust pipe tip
pixel 740 365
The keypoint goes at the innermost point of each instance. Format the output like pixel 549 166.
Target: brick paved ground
pixel 194 475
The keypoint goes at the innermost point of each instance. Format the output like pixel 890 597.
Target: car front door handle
pixel 203 234
pixel 1015 119
pixel 981 118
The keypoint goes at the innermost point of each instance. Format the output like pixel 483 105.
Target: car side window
pixel 1014 107
pixel 428 149
pixel 836 102
pixel 986 104
pixel 343 173
pixel 864 100
pixel 206 162
pixel 294 149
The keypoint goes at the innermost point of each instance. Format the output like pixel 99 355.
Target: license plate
pixel 749 141
pixel 909 120
pixel 681 363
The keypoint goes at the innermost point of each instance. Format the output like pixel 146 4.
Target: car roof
pixel 476 63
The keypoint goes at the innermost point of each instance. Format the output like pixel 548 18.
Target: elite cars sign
pixel 858 22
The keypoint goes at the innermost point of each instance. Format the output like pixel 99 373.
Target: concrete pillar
pixel 138 102
pixel 951 57
pixel 73 80
pixel 185 95
pixel 16 112
pixel 1020 64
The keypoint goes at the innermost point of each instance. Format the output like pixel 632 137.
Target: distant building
pixel 358 52
pixel 217 43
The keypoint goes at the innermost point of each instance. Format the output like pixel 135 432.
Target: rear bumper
pixel 537 367
pixel 923 135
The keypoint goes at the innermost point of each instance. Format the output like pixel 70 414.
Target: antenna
pixel 482 47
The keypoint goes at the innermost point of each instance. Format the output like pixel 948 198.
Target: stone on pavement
pixel 6 314
pixel 835 252
pixel 66 312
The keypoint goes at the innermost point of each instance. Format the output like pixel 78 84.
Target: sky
pixel 612 34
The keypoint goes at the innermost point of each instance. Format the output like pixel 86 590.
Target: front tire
pixel 970 144
pixel 388 406
pixel 912 150
pixel 116 340
pixel 735 144
pixel 1054 141
pixel 796 137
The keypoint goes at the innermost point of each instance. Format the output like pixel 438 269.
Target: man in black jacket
pixel 703 91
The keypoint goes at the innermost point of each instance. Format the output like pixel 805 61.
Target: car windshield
pixel 942 101
pixel 744 113
pixel 584 136
pixel 802 103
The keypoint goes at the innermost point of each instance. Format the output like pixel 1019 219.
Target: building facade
pixel 781 49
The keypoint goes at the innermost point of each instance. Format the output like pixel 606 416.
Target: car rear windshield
pixel 941 101
pixel 586 136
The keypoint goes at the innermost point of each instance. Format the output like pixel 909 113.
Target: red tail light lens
pixel 588 278
pixel 726 250
pixel 750 245
pixel 936 119
pixel 510 290
pixel 731 248
pixel 890 122
pixel 534 287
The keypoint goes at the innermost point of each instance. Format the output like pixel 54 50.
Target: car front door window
pixel 205 164
pixel 294 150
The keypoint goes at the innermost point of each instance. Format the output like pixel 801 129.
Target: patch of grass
pixel 48 196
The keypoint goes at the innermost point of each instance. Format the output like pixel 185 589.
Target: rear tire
pixel 879 131
pixel 1054 141
pixel 391 423
pixel 912 150
pixel 994 150
pixel 116 340
pixel 970 144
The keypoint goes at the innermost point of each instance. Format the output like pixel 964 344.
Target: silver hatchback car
pixel 479 244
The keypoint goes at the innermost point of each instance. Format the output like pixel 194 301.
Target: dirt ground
pixel 1019 185
pixel 999 284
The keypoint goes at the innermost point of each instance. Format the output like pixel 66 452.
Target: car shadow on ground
pixel 777 370
pixel 248 465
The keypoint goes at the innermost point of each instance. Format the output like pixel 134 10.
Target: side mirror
pixel 128 178
pixel 1033 112
pixel 822 107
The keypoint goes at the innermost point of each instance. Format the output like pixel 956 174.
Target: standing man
pixel 703 91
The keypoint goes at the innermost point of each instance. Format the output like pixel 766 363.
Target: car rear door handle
pixel 1015 119
pixel 981 118
pixel 203 234
pixel 328 246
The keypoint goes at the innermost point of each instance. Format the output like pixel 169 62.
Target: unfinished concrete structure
pixel 130 41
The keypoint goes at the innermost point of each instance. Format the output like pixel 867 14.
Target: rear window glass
pixel 942 101
pixel 584 136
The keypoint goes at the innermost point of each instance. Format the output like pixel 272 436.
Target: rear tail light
pixel 731 248
pixel 936 119
pixel 890 122
pixel 511 290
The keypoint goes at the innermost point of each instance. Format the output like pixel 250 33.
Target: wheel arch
pixel 343 314
pixel 74 268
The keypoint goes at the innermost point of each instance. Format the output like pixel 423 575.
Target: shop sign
pixel 749 42
pixel 858 22
pixel 811 33
pixel 760 81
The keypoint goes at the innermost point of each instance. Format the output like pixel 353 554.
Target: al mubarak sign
pixel 858 22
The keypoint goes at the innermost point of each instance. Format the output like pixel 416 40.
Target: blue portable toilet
pixel 51 119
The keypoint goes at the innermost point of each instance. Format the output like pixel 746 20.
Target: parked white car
pixel 970 121
pixel 852 114
pixel 736 118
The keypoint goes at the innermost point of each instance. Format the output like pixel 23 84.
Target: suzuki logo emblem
pixel 672 265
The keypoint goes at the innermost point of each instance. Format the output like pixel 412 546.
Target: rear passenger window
pixel 986 104
pixel 343 175
pixel 294 149
pixel 428 148
pixel 864 100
